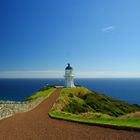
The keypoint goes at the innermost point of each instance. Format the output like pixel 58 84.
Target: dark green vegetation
pixel 81 104
pixel 45 92
pixel 81 100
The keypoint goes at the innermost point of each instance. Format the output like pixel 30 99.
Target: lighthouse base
pixel 69 82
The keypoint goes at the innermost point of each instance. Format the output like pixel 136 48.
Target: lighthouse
pixel 69 77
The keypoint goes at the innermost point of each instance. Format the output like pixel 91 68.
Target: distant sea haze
pixel 123 88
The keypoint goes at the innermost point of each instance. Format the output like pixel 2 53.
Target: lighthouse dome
pixel 68 67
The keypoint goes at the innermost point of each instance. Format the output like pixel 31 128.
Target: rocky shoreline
pixel 9 108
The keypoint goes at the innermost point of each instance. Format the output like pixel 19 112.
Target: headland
pixel 37 124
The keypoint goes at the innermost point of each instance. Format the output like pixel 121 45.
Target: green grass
pixel 81 104
pixel 100 119
pixel 40 93
pixel 81 100
pixel 74 91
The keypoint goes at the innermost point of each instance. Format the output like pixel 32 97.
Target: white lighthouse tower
pixel 69 82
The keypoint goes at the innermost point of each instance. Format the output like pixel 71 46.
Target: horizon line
pixel 60 74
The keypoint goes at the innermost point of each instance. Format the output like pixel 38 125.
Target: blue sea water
pixel 124 89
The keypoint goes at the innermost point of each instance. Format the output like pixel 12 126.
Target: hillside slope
pixel 81 100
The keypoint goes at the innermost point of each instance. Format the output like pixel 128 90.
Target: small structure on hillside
pixel 69 77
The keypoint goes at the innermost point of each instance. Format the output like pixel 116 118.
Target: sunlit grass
pixel 81 104
pixel 93 119
pixel 44 93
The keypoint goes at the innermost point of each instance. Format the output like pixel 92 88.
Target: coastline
pixel 10 108
pixel 37 125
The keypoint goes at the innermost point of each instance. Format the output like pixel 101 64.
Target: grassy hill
pixel 82 104
pixel 81 100
pixel 44 91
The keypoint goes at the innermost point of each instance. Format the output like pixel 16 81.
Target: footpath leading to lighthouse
pixel 37 125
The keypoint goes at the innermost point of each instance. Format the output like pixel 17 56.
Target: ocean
pixel 120 88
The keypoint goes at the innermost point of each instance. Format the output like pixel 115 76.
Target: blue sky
pixel 100 38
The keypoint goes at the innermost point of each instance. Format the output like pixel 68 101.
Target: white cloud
pixel 108 28
pixel 108 74
pixel 60 74
pixel 31 74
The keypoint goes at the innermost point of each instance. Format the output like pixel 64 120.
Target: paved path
pixel 37 125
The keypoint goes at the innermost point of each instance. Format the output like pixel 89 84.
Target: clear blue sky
pixel 95 36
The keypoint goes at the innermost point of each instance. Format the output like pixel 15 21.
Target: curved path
pixel 37 125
